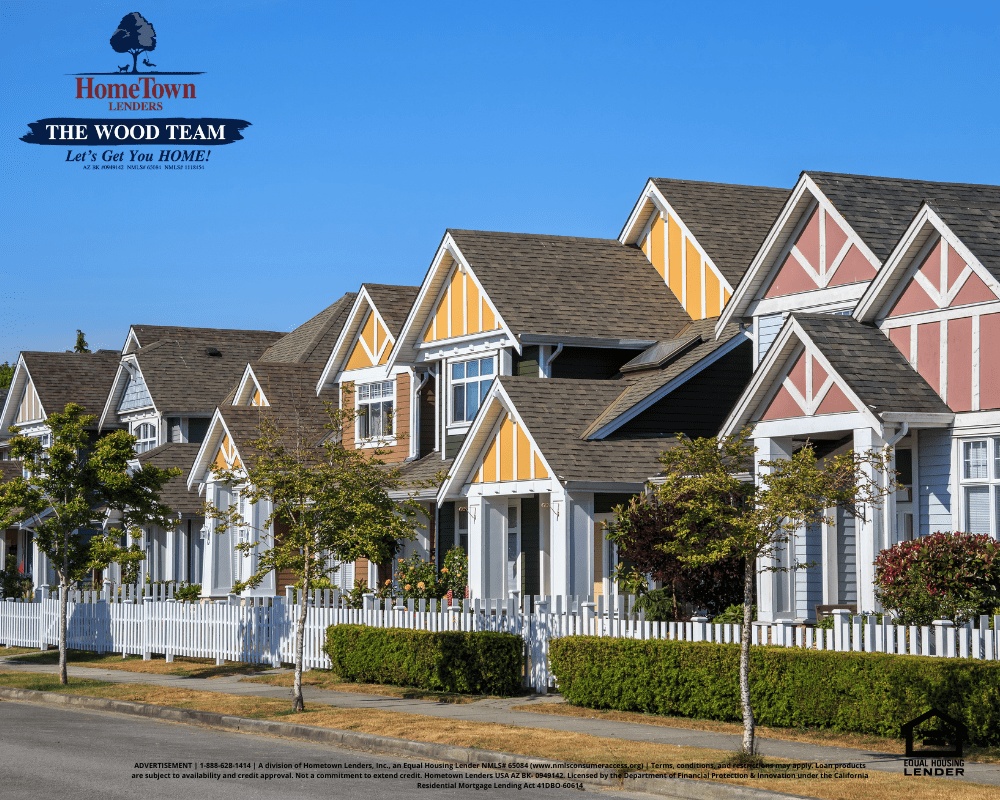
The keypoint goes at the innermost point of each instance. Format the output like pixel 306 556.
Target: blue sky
pixel 377 126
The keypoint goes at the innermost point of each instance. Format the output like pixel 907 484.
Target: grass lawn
pixel 558 745
pixel 16 651
pixel 181 667
pixel 857 741
pixel 325 679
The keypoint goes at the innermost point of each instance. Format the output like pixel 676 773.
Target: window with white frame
pixel 375 404
pixel 470 380
pixel 980 476
pixel 145 437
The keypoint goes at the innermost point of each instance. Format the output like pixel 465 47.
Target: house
pixel 875 309
pixel 43 384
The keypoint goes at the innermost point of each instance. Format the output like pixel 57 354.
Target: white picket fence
pixel 262 630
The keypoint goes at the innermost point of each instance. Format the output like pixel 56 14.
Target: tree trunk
pixel 135 58
pixel 749 725
pixel 300 628
pixel 63 602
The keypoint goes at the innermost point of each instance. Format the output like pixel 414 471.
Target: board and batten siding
pixel 809 582
pixel 934 459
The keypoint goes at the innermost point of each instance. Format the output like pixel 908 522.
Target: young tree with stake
pixel 332 502
pixel 73 486
pixel 712 513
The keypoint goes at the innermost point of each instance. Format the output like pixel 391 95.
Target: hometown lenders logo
pixel 145 89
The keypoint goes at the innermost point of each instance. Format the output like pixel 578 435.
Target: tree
pixel 332 501
pixel 73 486
pixel 81 345
pixel 134 36
pixel 713 514
pixel 6 375
pixel 641 533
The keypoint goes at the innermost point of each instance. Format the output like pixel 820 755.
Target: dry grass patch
pixel 326 679
pixel 16 651
pixel 855 741
pixel 530 742
pixel 181 666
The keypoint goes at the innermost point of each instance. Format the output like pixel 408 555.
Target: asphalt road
pixel 60 753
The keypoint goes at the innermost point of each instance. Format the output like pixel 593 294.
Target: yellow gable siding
pixel 373 345
pixel 256 401
pixel 461 310
pixel 31 406
pixel 510 456
pixel 226 457
pixel 677 260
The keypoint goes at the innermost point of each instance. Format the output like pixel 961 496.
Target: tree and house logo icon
pixel 135 36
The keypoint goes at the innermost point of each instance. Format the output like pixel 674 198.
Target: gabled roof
pixel 175 493
pixel 571 286
pixel 393 303
pixel 146 335
pixel 880 209
pixel 417 474
pixel 290 386
pixel 556 413
pixel 81 378
pixel 641 389
pixel 978 226
pixel 185 377
pixel 871 365
pixel 729 221
pixel 313 340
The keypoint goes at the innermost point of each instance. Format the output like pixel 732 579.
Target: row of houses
pixel 543 375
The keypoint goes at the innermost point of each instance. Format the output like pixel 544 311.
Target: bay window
pixel 980 474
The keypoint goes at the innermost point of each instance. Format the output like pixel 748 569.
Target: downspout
pixel 415 415
pixel 552 357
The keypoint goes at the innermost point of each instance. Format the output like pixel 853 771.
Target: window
pixel 145 437
pixel 981 489
pixel 463 528
pixel 470 380
pixel 375 403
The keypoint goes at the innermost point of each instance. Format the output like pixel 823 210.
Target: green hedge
pixel 448 661
pixel 849 692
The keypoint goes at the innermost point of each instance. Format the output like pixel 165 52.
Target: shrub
pixel 952 576
pixel 734 615
pixel 13 585
pixel 418 579
pixel 870 693
pixel 445 661
pixel 187 592
pixel 455 572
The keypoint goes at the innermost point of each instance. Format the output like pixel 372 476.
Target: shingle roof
pixel 10 470
pixel 557 411
pixel 564 285
pixel 635 387
pixel 393 303
pixel 979 229
pixel 175 493
pixel 880 209
pixel 81 378
pixel 182 378
pixel 871 365
pixel 290 386
pixel 415 474
pixel 148 334
pixel 313 340
pixel 730 221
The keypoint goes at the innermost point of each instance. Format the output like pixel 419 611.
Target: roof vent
pixel 213 351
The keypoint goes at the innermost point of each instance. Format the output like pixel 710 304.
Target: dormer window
pixel 145 437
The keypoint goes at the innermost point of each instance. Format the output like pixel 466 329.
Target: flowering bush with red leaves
pixel 952 576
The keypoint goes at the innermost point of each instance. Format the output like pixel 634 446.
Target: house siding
pixel 934 459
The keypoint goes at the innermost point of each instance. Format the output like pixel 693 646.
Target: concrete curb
pixel 680 788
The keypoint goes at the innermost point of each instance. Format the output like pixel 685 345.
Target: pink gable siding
pixel 783 406
pixel 819 377
pixel 808 241
pixel 901 338
pixel 791 279
pixel 913 300
pixel 797 375
pixel 835 402
pixel 855 267
pixel 960 364
pixel 955 265
pixel 835 239
pixel 972 291
pixel 929 353
pixel 989 361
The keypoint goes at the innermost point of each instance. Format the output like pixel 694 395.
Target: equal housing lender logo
pixel 144 89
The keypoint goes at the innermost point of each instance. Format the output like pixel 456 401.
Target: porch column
pixel 581 521
pixel 477 550
pixel 559 543
pixel 869 526
pixel 768 588
pixel 209 555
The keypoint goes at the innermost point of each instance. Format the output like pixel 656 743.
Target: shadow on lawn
pixel 181 667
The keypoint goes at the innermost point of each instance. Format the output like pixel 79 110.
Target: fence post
pixel 839 626
pixel 941 627
pixel 698 628
pixel 588 618
pixel 168 629
pixel 540 651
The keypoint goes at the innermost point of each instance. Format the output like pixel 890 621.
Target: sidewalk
pixel 500 711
